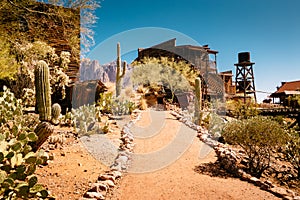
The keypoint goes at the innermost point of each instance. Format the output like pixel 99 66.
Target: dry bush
pixel 259 137
pixel 143 104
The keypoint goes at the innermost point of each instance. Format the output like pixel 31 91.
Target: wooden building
pixel 286 90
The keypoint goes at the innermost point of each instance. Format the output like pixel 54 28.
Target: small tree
pixel 259 137
pixel 178 76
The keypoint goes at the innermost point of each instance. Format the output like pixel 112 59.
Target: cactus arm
pixel 124 69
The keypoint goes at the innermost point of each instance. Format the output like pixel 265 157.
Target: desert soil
pixel 73 170
pixel 181 179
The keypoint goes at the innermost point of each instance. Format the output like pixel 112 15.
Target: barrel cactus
pixel 43 90
pixel 43 131
pixel 56 110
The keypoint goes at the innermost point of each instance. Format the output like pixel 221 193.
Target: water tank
pixel 244 57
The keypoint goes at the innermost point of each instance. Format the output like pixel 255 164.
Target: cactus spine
pixel 55 110
pixel 198 101
pixel 119 75
pixel 43 90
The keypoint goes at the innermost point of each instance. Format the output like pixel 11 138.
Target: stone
pixel 265 186
pixel 245 176
pixel 269 183
pixel 98 187
pixel 108 183
pixel 104 177
pixel 291 192
pixel 116 174
pixel 116 167
pixel 255 180
pixel 95 195
pixel 279 191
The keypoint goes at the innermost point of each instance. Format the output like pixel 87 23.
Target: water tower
pixel 244 79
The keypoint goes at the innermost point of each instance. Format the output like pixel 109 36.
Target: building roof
pixel 292 87
pixel 289 86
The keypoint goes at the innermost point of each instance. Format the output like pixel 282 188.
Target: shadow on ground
pixel 213 170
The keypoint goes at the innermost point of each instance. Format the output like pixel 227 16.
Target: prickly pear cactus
pixel 43 90
pixel 119 75
pixel 55 110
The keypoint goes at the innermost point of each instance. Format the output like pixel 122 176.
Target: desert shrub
pixel 67 119
pixel 241 110
pixel 17 160
pixel 143 104
pixel 258 137
pixel 9 66
pixel 105 102
pixel 292 150
pixel 215 125
pixel 28 98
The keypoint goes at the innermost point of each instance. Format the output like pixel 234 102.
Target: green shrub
pixel 259 137
pixel 107 103
pixel 242 110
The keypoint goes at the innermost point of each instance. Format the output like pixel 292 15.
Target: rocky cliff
pixel 93 70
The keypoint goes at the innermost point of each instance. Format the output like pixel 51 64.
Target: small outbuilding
pixel 285 92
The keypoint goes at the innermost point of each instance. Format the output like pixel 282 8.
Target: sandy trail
pixel 179 180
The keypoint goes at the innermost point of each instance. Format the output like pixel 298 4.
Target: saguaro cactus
pixel 198 101
pixel 119 74
pixel 43 90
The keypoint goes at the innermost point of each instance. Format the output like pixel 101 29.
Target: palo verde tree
pixel 178 76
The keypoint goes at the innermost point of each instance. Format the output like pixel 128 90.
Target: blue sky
pixel 269 29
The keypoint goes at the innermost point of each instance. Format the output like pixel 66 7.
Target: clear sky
pixel 269 29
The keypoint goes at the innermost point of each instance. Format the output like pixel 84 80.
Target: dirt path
pixel 178 180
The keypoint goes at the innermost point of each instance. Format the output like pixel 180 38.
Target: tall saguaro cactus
pixel 43 90
pixel 198 101
pixel 119 74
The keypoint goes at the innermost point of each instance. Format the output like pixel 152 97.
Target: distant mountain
pixel 93 70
